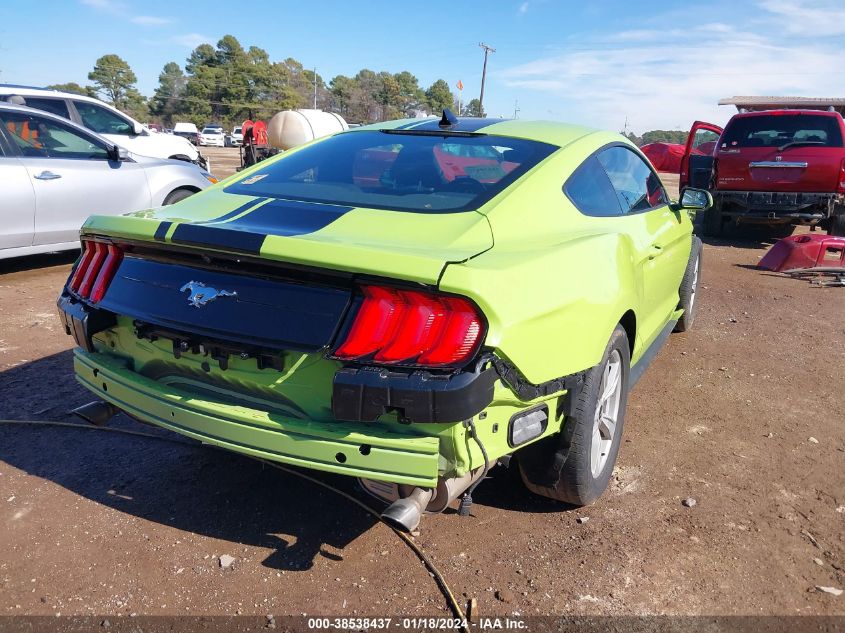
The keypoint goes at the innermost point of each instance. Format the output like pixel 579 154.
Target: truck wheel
pixel 575 465
pixel 711 225
pixel 689 288
pixel 837 221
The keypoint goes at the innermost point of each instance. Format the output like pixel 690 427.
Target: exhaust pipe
pixel 97 413
pixel 405 514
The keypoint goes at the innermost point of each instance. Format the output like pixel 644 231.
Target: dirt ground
pixel 744 414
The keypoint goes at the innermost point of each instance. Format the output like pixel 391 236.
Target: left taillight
pixel 95 270
pixel 841 187
pixel 412 328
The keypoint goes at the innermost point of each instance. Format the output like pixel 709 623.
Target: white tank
pixel 290 128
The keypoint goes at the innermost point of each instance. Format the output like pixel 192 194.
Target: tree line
pixel 227 84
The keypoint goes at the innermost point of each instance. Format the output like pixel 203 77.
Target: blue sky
pixel 658 64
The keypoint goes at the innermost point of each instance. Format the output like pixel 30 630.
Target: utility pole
pixel 516 109
pixel 315 87
pixel 487 49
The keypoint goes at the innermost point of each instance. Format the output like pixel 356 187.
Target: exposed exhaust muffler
pixel 407 504
pixel 97 413
pixel 405 513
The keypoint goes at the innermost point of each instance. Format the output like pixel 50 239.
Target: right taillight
pixel 841 186
pixel 95 270
pixel 412 327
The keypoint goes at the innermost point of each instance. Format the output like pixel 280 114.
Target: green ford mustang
pixel 408 303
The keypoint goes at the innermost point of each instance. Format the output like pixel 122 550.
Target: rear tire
pixel 711 223
pixel 837 221
pixel 176 195
pixel 689 288
pixel 575 466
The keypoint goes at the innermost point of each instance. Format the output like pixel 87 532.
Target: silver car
pixel 55 174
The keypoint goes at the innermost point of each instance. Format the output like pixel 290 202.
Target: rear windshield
pixel 435 173
pixel 781 130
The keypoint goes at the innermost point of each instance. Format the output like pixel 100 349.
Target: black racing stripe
pixel 235 212
pixel 289 217
pixel 463 125
pixel 212 236
pixel 162 230
pixel 246 234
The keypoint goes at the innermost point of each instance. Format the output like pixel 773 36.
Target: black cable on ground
pixel 454 606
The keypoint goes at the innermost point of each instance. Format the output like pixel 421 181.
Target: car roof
pixel 786 112
pixel 553 132
pixel 32 91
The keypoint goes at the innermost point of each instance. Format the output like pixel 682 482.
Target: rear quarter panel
pixel 556 282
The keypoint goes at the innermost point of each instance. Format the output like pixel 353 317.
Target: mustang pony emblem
pixel 202 294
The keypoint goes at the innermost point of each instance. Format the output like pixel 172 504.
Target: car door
pixel 17 213
pixel 73 176
pixel 697 161
pixel 660 234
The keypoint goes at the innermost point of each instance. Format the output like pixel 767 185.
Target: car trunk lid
pixel 403 245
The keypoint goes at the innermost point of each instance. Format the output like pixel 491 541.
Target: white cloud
pixel 150 20
pixel 191 40
pixel 666 78
pixel 523 8
pixel 816 18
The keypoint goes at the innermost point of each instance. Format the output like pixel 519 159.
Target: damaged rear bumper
pixel 776 207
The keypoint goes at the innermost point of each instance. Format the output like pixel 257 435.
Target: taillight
pixel 841 187
pixel 95 270
pixel 412 327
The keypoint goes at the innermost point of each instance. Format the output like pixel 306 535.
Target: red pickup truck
pixel 772 167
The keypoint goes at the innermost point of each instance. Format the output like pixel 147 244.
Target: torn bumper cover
pixel 363 394
pixel 82 322
pixel 769 206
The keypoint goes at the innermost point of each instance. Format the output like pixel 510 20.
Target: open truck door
pixel 697 161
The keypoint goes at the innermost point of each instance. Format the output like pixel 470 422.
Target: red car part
pixel 412 327
pixel 805 251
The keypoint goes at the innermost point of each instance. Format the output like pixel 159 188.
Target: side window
pixel 39 137
pixel 704 142
pixel 590 190
pixel 102 121
pixel 637 186
pixel 53 106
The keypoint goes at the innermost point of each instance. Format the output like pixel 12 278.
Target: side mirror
pixel 118 153
pixel 695 199
pixel 137 129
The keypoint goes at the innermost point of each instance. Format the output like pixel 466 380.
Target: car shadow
pixel 193 487
pixel 181 484
pixel 503 489
pixel 32 262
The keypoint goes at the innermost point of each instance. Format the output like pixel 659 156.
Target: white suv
pixel 106 121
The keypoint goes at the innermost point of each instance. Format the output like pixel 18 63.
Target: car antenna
pixel 448 119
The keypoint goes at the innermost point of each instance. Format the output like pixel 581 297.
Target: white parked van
pixel 105 120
